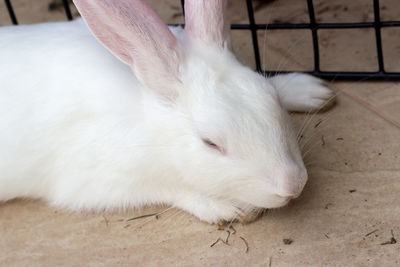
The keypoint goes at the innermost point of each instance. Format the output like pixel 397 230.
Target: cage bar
pixel 253 30
pixel 377 26
pixel 313 27
pixel 11 12
pixel 67 9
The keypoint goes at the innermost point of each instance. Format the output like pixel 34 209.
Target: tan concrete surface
pixel 345 217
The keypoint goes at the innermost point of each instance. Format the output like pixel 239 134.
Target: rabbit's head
pixel 231 140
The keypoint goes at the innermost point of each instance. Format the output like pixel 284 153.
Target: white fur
pixel 301 92
pixel 79 131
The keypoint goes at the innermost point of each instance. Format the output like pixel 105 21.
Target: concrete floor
pixel 348 214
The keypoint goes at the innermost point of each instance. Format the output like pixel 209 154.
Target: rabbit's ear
pixel 206 21
pixel 136 35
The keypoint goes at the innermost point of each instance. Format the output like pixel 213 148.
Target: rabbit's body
pixel 77 141
pixel 192 128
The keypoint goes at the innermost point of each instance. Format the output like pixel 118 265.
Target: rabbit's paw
pixel 251 216
pixel 302 92
pixel 208 209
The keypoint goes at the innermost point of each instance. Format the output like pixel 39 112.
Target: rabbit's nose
pixel 292 182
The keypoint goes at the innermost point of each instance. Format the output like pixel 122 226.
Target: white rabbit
pixel 192 127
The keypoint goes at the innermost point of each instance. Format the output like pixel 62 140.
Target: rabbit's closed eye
pixel 213 145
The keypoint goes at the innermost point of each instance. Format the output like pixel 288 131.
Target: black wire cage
pixel 313 26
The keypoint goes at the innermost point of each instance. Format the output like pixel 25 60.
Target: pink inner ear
pixel 206 20
pixel 135 34
pixel 126 26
